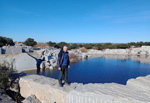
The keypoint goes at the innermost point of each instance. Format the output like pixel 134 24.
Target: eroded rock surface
pixel 19 62
pixel 4 98
pixel 47 91
pixel 31 99
pixel 144 50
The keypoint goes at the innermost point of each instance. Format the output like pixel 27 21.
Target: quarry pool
pixel 100 70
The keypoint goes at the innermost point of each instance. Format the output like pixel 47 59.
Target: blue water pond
pixel 100 70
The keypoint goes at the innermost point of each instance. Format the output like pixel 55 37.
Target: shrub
pixel 80 45
pixel 51 44
pixel 122 46
pixel 30 42
pixel 88 46
pixel 73 46
pixel 61 44
pixel 5 41
pixel 4 74
pixel 72 55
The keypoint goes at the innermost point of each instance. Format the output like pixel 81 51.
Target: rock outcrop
pixel 47 91
pixel 48 57
pixel 141 59
pixel 19 62
pixel 31 99
pixel 144 50
pixel 78 53
pixel 44 88
pixel 4 98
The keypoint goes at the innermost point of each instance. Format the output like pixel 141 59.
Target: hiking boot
pixel 60 85
pixel 67 84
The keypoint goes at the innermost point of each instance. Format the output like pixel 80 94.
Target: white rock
pixel 19 62
pixel 51 67
pixel 42 65
pixel 47 91
pixel 31 99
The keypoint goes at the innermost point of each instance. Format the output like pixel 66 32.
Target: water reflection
pixel 105 69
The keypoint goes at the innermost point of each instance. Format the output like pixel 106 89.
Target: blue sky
pixel 90 21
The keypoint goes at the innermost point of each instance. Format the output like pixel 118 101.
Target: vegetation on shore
pixel 97 46
pixel 5 41
pixel 4 75
pixel 30 42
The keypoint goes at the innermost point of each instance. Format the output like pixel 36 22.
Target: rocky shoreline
pixel 144 50
pixel 47 58
pixel 4 98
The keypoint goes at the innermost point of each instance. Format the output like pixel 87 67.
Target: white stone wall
pixel 144 50
pixel 19 62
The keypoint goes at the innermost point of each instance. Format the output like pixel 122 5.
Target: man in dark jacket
pixel 63 63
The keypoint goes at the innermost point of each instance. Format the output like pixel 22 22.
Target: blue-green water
pixel 101 70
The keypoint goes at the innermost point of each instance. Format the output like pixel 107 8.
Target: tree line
pixel 99 46
pixel 5 41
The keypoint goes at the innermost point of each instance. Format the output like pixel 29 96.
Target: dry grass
pixel 72 55
pixel 73 58
pixel 95 48
pixel 44 45
pixel 83 50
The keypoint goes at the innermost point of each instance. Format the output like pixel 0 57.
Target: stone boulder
pixel 4 98
pixel 44 88
pixel 25 62
pixel 19 62
pixel 31 99
pixel 47 91
pixel 144 50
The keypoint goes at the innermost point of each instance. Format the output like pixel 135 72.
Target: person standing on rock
pixel 63 63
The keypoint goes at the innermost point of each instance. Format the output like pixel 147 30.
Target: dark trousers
pixel 63 71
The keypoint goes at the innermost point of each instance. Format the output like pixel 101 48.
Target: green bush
pixel 88 46
pixel 30 42
pixel 73 46
pixel 5 41
pixel 51 44
pixel 99 46
pixel 61 44
pixel 4 74
pixel 122 46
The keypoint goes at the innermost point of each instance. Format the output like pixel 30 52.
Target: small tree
pixel 73 46
pixel 9 41
pixel 4 74
pixel 61 44
pixel 88 46
pixel 30 42
pixel 51 44
pixel 5 41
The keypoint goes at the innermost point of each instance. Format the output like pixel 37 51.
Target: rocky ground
pixel 47 91
pixel 10 91
pixel 4 98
